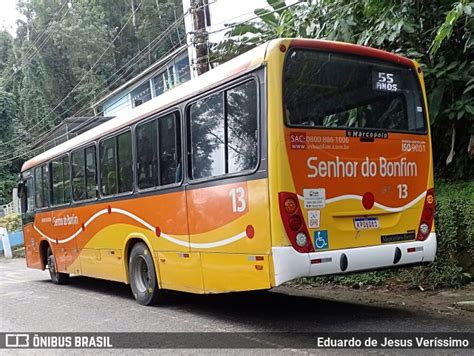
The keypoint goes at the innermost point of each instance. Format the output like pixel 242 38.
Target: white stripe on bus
pixel 378 205
pixel 149 227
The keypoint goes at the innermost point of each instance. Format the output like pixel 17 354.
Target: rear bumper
pixel 289 264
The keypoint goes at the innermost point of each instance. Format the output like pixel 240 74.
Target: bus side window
pixel 78 175
pixel 90 172
pixel 67 180
pixel 108 166
pixel 25 193
pixel 60 181
pixel 242 127
pixel 147 154
pixel 125 162
pixel 225 141
pixel 170 150
pixel 158 152
pixel 208 137
pixel 116 168
pixel 84 174
pixel 41 186
pixel 30 198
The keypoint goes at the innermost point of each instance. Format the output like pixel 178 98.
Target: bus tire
pixel 142 275
pixel 56 277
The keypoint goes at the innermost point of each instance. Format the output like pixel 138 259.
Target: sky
pixel 8 15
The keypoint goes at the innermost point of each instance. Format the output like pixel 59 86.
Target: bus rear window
pixel 333 90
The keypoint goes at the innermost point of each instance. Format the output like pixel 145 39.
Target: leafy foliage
pixel 57 65
pixel 12 222
pixel 436 33
pixel 454 265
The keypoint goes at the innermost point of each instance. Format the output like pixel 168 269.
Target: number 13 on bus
pixel 298 158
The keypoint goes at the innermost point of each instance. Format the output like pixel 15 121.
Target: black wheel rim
pixel 141 275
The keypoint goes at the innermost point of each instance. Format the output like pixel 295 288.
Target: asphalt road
pixel 29 302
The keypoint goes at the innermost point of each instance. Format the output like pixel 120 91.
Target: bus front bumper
pixel 290 264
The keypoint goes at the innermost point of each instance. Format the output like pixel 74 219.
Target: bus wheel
pixel 56 277
pixel 142 275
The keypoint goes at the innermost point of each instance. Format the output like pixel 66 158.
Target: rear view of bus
pixel 350 162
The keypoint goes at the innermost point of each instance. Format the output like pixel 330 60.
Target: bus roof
pixel 233 68
pixel 237 66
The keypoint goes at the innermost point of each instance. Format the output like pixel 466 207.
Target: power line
pixel 170 27
pixel 106 89
pixel 48 26
pixel 125 94
pixel 145 49
pixel 46 39
pixel 27 151
pixel 252 18
pixel 77 85
pixel 160 40
pixel 29 56
pixel 153 44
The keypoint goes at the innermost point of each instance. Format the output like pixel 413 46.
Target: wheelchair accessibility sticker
pixel 321 240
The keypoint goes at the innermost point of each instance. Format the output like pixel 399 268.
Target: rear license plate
pixel 366 223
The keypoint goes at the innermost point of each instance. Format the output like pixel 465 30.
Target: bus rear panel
pixel 353 187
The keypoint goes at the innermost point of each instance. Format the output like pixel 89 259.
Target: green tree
pixel 66 55
pixel 8 112
pixel 437 33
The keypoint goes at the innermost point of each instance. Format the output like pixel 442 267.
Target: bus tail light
pixel 290 205
pixel 293 222
pixel 427 216
pixel 301 239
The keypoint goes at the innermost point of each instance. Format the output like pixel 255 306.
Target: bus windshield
pixel 333 90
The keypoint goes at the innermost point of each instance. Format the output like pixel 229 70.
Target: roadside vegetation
pixel 67 55
pixel 454 265
pixel 11 222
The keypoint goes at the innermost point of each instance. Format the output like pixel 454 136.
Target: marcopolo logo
pixel 367 134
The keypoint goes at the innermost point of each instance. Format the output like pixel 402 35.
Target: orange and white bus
pixel 298 158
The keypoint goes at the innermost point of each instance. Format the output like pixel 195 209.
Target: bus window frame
pixel 28 174
pixel 50 163
pixel 253 76
pixel 157 116
pixel 83 148
pixel 356 56
pixel 115 134
pixel 48 195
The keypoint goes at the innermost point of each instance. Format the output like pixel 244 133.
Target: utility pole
pixel 200 36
